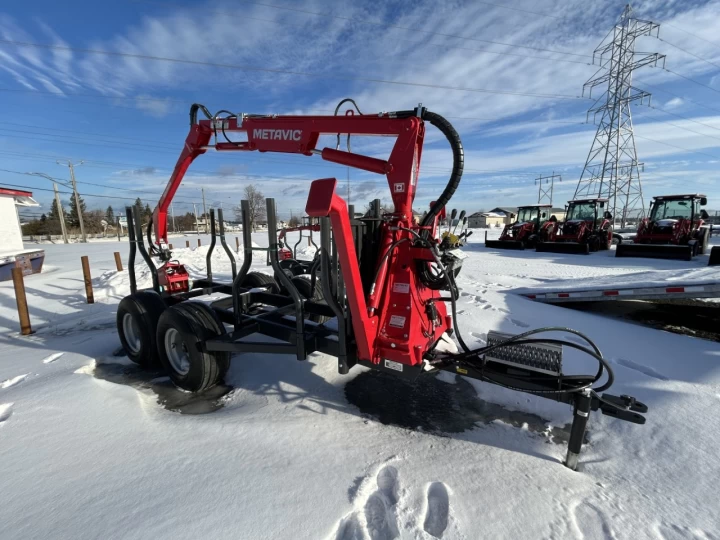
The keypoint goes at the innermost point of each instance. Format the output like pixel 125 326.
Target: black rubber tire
pixel 303 284
pixel 594 243
pixel 608 243
pixel 703 236
pixel 257 279
pixel 145 308
pixel 290 266
pixel 532 241
pixel 206 369
pixel 617 239
pixel 209 319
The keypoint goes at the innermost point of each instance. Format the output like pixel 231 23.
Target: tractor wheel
pixel 304 286
pixel 137 319
pixel 616 239
pixel 703 236
pixel 257 279
pixel 532 241
pixel 608 239
pixel 593 243
pixel 181 331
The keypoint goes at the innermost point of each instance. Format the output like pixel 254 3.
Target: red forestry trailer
pixel 587 228
pixel 674 229
pixel 387 280
pixel 534 224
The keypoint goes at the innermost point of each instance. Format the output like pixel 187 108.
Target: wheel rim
pixel 177 352
pixel 132 333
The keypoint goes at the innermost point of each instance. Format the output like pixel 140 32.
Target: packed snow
pixel 92 447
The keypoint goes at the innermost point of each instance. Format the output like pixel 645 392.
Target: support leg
pixel 577 432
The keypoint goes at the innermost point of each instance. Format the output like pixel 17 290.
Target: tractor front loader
pixel 384 291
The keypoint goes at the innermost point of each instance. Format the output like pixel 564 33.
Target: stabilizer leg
pixel 577 432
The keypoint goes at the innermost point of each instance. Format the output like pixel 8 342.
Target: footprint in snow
pixel 52 358
pixel 518 323
pixel 645 370
pixel 6 410
pixel 12 382
pixel 590 522
pixel 378 520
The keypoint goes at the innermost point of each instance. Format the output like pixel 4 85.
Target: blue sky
pixel 127 117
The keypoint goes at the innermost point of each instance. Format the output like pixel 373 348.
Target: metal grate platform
pixel 536 357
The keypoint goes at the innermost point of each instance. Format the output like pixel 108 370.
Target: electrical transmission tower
pixel 612 170
pixel 547 192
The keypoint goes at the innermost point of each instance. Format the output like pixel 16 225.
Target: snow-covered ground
pixel 92 448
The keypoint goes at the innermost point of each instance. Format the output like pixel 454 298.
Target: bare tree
pixel 256 201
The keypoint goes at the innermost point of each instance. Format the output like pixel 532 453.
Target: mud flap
pixel 563 247
pixel 653 251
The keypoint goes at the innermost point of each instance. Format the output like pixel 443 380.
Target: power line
pixel 274 70
pixel 691 34
pixel 690 53
pixel 678 147
pixel 656 88
pixel 691 80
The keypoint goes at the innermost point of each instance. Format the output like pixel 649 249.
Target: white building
pixel 12 252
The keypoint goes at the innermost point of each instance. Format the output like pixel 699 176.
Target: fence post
pixel 88 279
pixel 23 315
pixel 118 261
pixel 170 247
pixel 187 243
pixel 198 242
pixel 237 244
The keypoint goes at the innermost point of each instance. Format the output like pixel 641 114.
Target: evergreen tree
pixel 73 216
pixel 138 207
pixel 110 215
pixel 54 214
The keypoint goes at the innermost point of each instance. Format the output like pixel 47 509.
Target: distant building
pixel 484 220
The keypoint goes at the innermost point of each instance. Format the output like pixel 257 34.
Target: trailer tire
pixel 258 279
pixel 137 319
pixel 181 331
pixel 303 284
pixel 210 320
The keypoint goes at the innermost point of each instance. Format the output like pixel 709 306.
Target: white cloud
pixel 674 103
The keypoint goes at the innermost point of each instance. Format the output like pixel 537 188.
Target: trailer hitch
pixel 534 366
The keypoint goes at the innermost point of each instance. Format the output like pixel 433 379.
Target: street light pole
pixel 58 204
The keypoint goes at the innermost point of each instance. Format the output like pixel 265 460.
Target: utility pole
pixel 197 225
pixel 60 213
pixel 348 188
pixel 547 193
pixel 72 165
pixel 205 211
pixel 172 212
pixel 612 170
pixel 57 202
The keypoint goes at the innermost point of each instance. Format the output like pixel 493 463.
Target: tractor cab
pixel 668 210
pixel 588 210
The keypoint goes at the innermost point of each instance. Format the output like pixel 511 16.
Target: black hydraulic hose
pixel 458 163
pixel 194 110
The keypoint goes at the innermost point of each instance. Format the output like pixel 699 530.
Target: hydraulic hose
pixel 458 163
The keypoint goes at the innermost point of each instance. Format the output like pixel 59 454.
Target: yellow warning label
pixel 461 370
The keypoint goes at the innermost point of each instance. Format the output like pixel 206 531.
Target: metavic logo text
pixel 277 134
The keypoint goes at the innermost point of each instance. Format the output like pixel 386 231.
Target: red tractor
pixel 587 227
pixel 534 224
pixel 674 229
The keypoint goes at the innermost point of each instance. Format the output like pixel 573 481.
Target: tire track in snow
pixel 52 358
pixel 12 382
pixel 6 410
pixel 645 370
